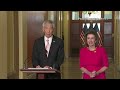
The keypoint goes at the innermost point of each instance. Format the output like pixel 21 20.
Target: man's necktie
pixel 47 47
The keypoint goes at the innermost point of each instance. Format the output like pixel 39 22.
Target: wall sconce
pixel 89 12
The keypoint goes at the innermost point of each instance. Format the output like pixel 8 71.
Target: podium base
pixel 40 76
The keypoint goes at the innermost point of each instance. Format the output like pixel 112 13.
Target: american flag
pixel 91 26
pixel 82 35
pixel 85 29
pixel 99 34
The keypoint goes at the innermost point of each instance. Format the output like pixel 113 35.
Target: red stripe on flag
pixel 82 37
pixel 100 38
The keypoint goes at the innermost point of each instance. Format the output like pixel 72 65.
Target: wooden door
pixel 34 30
pixel 104 20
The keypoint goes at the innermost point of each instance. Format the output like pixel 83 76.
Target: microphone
pixel 26 61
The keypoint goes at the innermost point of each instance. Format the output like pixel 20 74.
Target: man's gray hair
pixel 48 22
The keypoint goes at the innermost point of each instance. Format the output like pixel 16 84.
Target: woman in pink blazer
pixel 93 59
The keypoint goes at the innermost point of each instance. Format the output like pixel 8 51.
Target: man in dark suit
pixel 48 51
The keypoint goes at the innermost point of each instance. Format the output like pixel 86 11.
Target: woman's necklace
pixel 92 49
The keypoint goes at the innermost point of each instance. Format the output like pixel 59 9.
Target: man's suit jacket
pixel 56 53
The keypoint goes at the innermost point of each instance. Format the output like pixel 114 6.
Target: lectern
pixel 39 71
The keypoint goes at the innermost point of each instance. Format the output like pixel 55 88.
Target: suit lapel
pixel 52 45
pixel 43 47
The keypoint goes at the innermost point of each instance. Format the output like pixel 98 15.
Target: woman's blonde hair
pixel 92 31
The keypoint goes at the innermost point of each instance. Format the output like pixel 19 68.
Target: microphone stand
pixel 26 62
